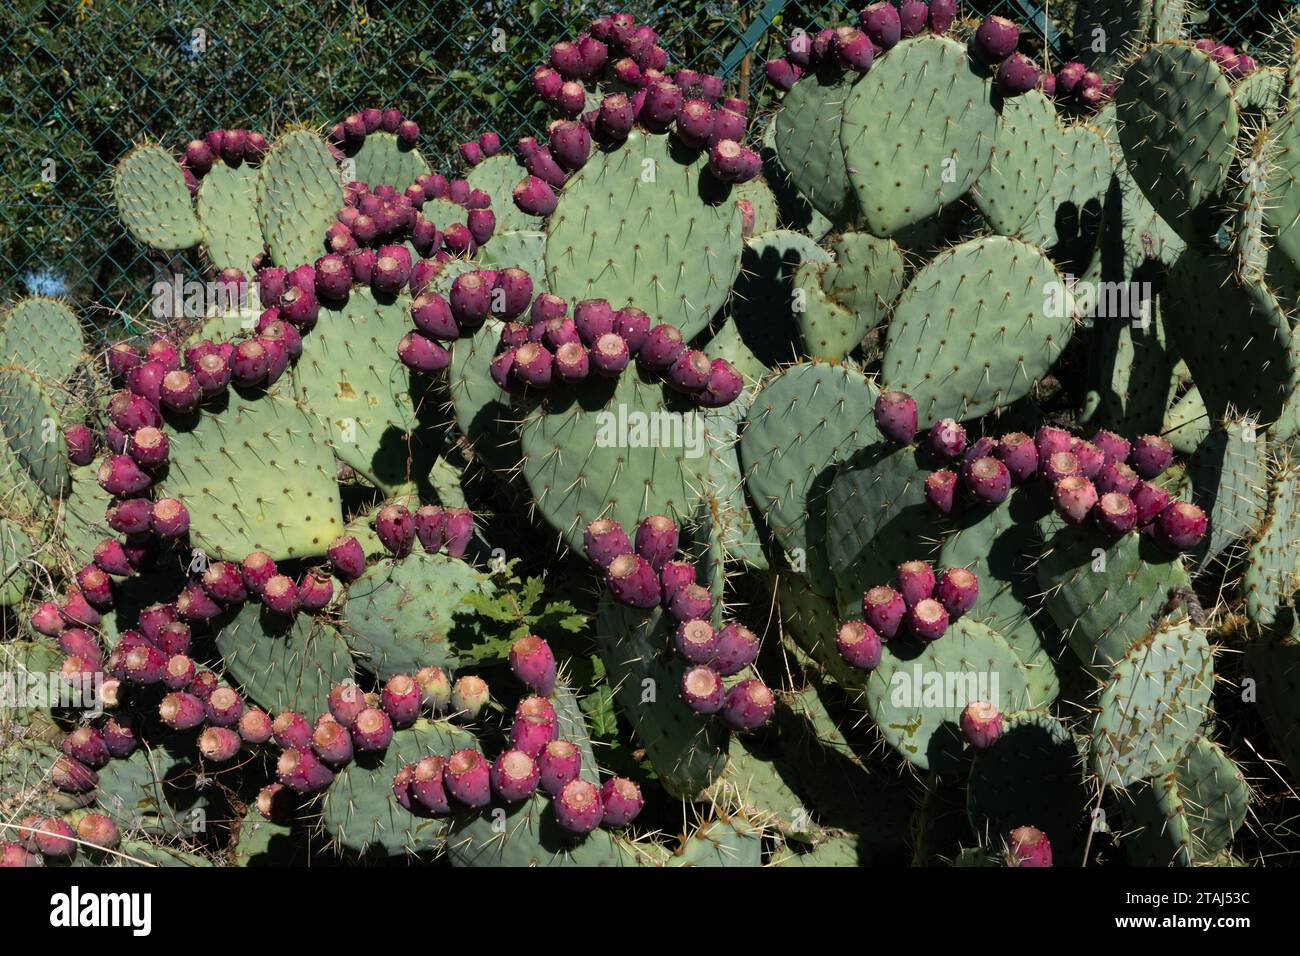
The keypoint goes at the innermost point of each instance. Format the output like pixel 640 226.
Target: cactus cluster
pixel 930 439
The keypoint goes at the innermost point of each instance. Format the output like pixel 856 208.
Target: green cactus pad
pixel 1025 162
pixel 1229 476
pixel 1068 219
pixel 154 201
pixel 725 526
pixel 1187 423
pixel 1283 170
pixel 762 304
pixel 17 550
pixel 43 336
pixel 848 296
pixel 1272 661
pixel 646 223
pixel 977 328
pixel 405 614
pixel 33 429
pixel 1131 372
pixel 807 419
pixel 299 194
pixel 1178 125
pixel 497 176
pixel 1103 593
pixel 918 130
pixel 256 475
pixel 1032 772
pixel 154 790
pixel 283 663
pixel 1272 564
pixel 687 750
pixel 81 519
pixel 381 159
pixel 227 206
pixel 807 142
pixel 578 471
pixel 1117 26
pixel 519 249
pixel 483 413
pixel 1154 703
pixel 358 811
pixel 762 201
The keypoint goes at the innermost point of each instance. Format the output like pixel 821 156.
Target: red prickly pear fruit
pixel 727 124
pixel 1115 513
pixel 662 347
pixel 1150 500
pixel 276 802
pixel 616 116
pixel 946 438
pixel 256 570
pixel 798 47
pixel 632 581
pixel 481 223
pixel 941 15
pixel 546 307
pixel 981 724
pixel 1029 847
pixel 432 316
pixel 169 518
pixel 727 161
pixel 737 648
pixel 882 23
pixel 695 123
pixel 558 762
pixel 87 745
pixel 1115 476
pixel 489 143
pixel 121 359
pixel 610 355
pixel 1113 447
pixel 674 576
pixel 148 447
pixel 119 475
pixel 182 711
pixel 331 742
pixel 915 582
pixel 1018 452
pixel 396 529
pixel 458 530
pixel 281 595
pixel 199 156
pixel 663 101
pixel 690 603
pixel 402 788
pixel 578 807
pixel 333 277
pixel 1089 456
pixel 79 642
pixel 347 557
pixel 119 736
pixel 250 362
pixel 110 557
pixel 854 48
pixel 723 387
pixel 572 362
pixel 271 283
pixel 940 490
pixel 471 299
pixel 927 620
pixel 180 391
pixel 1017 74
pixel 361 263
pixel 54 838
pixel 884 610
pixel 957 590
pixel 696 641
pixel 422 354
pixel 782 74
pixel 546 82
pixel 1060 464
pixel 392 270
pixel 47 620
pixel 233 143
pixel 299 305
pixel 690 372
pixel 988 479
pixel 302 771
pixel 570 144
pixel 471 153
pixel 428 784
pixel 173 638
pixel 130 412
pixel 155 617
pixel 1048 440
pixel 224 707
pixel 1181 526
pixel 511 292
pixel 98 830
pixel 535 725
pixel 514 776
pixel 146 381
pixel 408 134
pixel 315 590
pixel 204 683
pixel 604 540
pixel 346 701
pixel 1069 78
pixel 223 581
pixel 181 671
pixel 995 40
pixel 1074 497
pixel 748 705
pixel 290 729
pixel 401 700
pixel 859 645
pixel 534 196
pixel 435 688
pixel 431 527
pixel 17 856
pixel 469 696
pixel 702 689
pixel 81 444
pixel 621 802
pixel 1151 455
pixel 145 665
pixel 542 164
pixel 561 331
pixel 77 611
pixel 212 373
pixel 895 414
pixel 372 730
pixel 593 318
pixel 533 663
pixel 468 778
pixel 656 540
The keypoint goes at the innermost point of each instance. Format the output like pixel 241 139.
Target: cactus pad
pixel 848 296
pixel 227 206
pixel 154 201
pixel 807 140
pixel 43 336
pixel 299 195
pixel 30 424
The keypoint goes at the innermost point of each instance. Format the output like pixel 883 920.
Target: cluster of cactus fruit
pixel 793 425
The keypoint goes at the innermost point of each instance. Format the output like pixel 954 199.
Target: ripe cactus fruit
pixel 347 557
pixel 302 771
pixel 896 416
pixel 927 619
pixel 1029 847
pixel 941 490
pixel 633 581
pixel 514 776
pixel 578 807
pixel 372 730
pixel 1074 497
pixel 656 540
pixel 988 479
pixel 884 610
pixel 1115 513
pixel 859 645
pixel 737 648
pixel 690 602
pixel 1151 455
pixel 558 763
pixel 696 641
pixel 467 778
pixel 621 802
pixel 981 724
pixel 957 590
pixel 533 663
pixel 748 705
pixel 535 725
pixel 401 700
pixel 346 702
pixel 702 689
pixel 428 785
pixel 332 743
pixel 219 744
pixel 915 582
pixel 1181 525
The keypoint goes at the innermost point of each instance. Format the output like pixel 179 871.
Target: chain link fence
pixel 89 78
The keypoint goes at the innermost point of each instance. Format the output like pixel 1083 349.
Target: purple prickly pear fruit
pixel 593 318
pixel 332 743
pixel 371 117
pixel 223 581
pixel 572 363
pixel 941 15
pixel 674 576
pixel 233 143
pixel 570 144
pixel 946 438
pixel 181 671
pixel 372 730
pixel 346 702
pixel 471 153
pixel 1060 464
pixel 432 316
pixel 567 59
pixel 204 683
pixel 696 641
pixel 1074 497
pixel 471 299
pixel 422 354
pixel 859 645
pixel 396 529
pixel 110 557
pixel 154 618
pixel 782 74
pixel 1047 84
pixel 621 800
pixel 533 663
pixel 853 48
pixel 403 785
pixel 390 119
pixel 169 518
pixel 271 283
pixel 895 414
pixel 1150 500
pixel 578 807
pixel 995 40
pixel 115 439
pixel 458 531
pixel 1151 455
pixel 689 603
pixel 940 490
pixel 131 412
pixel 1049 440
pixel 748 705
pixel 884 610
pixel 913 15
pixel 982 448
pixel 927 620
pixel 981 724
pixel 81 444
pixel 690 373
pixel 957 590
pixel 119 736
pixel 558 763
pixel 299 305
pixel 546 307
pixel 663 101
pixel 333 277
pixel 616 116
pixel 512 291
pixel 1029 847
pixel 610 355
pixel 1091 97
pixel 392 269
pixel 513 335
pixel 559 332
pixel 250 363
pixel 98 830
pixel 1113 447
pixel 121 359
pixel 302 771
pixel 469 696
pixel 55 838
pixel 86 744
pixel 431 527
pixel 662 347
pixel 277 357
pixel 656 540
pixel 76 610
pixel 284 334
pixel 1181 526
pixel 798 48
pixel 224 707
pixel 1089 456
pixel 1017 74
pixel 514 776
pixel 428 786
pixel 408 134
pixel 988 479
pixel 695 123
pixel 212 373
pixel 361 263
pixel 632 581
pixel 347 557
pixel 723 387
pixel 489 143
pixel 119 475
pixel 255 147
pixel 401 700
pixel 467 778
pixel 604 540
pixel 1115 476
pixel 546 83
pixel 534 196
pixel 280 595
pixel 737 648
pixel 915 583
pixel 727 161
pixel 543 165
pixel 193 604
pixel 47 620
pixel 173 638
pixel 1069 78
pixel 79 642
pixel 181 711
pixel 481 224
pixel 535 725
pixel 315 590
pixel 214 138
pixel 1115 513
pixel 727 124
pixel 290 730
pixel 275 802
pixel 199 156
pixel 533 365
pixel 882 23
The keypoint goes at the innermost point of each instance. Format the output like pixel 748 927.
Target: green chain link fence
pixel 87 79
